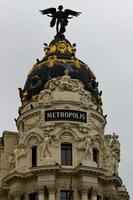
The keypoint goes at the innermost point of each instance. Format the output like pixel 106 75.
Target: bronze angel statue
pixel 60 17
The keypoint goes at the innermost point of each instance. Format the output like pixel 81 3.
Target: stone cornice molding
pixel 57 169
pixel 28 114
pixel 34 171
pixel 111 179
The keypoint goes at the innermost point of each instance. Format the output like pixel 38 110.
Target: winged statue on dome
pixel 59 17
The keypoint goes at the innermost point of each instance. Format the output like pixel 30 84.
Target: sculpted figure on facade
pixel 64 83
pixel 110 158
pixel 115 149
pixel 44 147
pixel 115 145
pixel 45 97
pixel 88 149
pixel 107 163
pixel 22 152
pixel 15 155
pixel 11 160
pixel 52 84
pixel 95 125
pixel 21 139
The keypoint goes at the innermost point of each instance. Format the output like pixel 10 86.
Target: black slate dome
pixel 59 56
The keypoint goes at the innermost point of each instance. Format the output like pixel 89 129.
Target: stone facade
pixel 93 173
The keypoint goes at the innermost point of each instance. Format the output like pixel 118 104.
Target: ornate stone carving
pixel 85 144
pixel 45 97
pixel 33 121
pixel 48 128
pixel 122 193
pixel 84 189
pixel 115 145
pixel 95 125
pixel 88 145
pixel 83 129
pixel 65 83
pixel 11 160
pixel 111 155
pixel 22 152
pixel 44 147
pixel 111 195
pixel 51 188
pixel 32 139
pixel 107 163
pixel 21 139
pixel 94 190
pixel 41 189
pixel 86 98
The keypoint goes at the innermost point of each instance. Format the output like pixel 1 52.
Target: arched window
pixel 66 154
pixel 34 156
pixel 96 155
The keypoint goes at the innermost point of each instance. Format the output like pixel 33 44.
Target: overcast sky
pixel 104 37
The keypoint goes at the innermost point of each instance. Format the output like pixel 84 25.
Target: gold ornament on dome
pixel 61 47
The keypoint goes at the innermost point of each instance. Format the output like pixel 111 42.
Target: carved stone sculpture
pixel 115 145
pixel 11 160
pixel 87 145
pixel 64 83
pixel 44 146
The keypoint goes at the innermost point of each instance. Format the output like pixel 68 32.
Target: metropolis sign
pixel 65 115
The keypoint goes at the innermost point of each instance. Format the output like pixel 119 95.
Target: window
pixel 66 195
pixel 33 196
pixel 96 155
pixel 66 154
pixel 34 156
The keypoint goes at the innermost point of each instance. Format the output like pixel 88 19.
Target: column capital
pixel 111 196
pixel 51 188
pixel 41 189
pixel 94 189
pixel 84 189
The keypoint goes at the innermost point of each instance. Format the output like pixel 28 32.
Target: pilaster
pixel 41 195
pixel 94 191
pixel 52 191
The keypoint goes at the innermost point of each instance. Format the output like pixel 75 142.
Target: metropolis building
pixel 61 151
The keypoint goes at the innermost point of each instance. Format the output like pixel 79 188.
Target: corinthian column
pixel 52 190
pixel 93 193
pixel 41 192
pixel 84 192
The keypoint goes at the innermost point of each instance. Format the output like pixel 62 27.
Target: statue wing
pixel 48 11
pixel 72 12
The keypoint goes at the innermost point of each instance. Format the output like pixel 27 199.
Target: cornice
pixel 111 179
pixel 59 170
